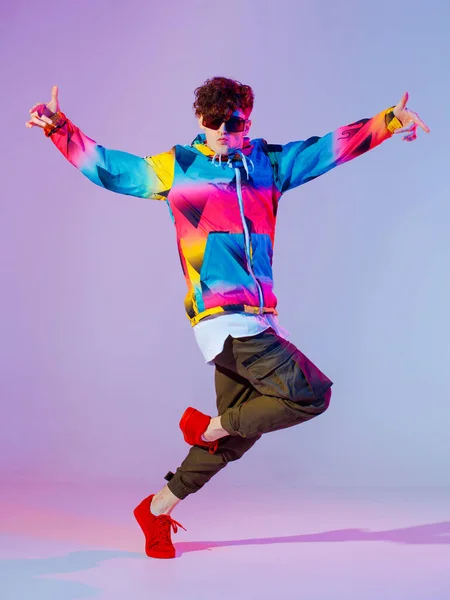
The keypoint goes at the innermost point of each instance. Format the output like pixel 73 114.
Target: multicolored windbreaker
pixel 224 209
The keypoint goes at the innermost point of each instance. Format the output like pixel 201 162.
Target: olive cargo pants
pixel 263 383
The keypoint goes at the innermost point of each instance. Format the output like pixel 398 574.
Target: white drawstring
pixel 219 163
pixel 246 162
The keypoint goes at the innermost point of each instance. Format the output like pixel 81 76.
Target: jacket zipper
pixel 247 240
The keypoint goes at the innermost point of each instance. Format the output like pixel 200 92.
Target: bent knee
pixel 323 402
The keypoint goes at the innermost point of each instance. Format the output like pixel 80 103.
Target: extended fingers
pixel 37 121
pixel 41 121
pixel 418 121
pixel 402 104
pixel 412 122
pixel 34 111
pixel 405 129
pixel 43 118
pixel 413 134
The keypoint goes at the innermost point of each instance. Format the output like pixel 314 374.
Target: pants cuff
pixel 178 489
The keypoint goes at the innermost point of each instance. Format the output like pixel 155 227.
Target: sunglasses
pixel 232 125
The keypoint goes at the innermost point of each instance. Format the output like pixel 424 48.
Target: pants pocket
pixel 280 369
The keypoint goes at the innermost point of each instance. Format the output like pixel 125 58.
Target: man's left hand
pixel 409 119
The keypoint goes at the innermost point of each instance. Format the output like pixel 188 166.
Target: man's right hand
pixel 40 113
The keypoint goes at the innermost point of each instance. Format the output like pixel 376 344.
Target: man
pixel 222 192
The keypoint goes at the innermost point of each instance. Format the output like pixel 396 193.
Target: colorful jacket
pixel 224 210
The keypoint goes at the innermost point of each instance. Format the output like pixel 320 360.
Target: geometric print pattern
pixel 202 198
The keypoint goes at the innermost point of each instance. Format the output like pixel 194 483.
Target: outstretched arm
pixel 296 163
pixel 120 172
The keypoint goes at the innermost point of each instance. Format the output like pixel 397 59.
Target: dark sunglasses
pixel 233 125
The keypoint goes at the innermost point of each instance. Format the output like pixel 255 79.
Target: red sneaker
pixel 158 542
pixel 193 423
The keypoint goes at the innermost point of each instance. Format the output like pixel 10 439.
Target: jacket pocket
pixel 224 269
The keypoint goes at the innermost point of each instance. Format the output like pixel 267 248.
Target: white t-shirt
pixel 212 332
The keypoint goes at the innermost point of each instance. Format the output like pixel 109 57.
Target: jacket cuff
pixel 58 120
pixel 392 123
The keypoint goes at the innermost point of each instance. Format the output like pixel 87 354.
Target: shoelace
pixel 212 449
pixel 165 523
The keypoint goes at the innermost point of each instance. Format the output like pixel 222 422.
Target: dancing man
pixel 222 192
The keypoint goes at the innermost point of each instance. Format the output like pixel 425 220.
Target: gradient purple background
pixel 97 359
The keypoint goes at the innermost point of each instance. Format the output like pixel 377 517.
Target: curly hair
pixel 221 96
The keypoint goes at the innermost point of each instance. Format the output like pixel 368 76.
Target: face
pixel 222 141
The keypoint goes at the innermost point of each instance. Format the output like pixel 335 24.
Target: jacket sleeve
pixel 121 172
pixel 296 163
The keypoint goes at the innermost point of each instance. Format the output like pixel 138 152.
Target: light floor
pixel 67 542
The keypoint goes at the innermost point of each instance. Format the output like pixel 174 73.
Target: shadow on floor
pixel 435 533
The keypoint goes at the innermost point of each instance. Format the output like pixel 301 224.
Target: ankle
pixel 159 508
pixel 208 434
pixel 163 502
pixel 214 431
